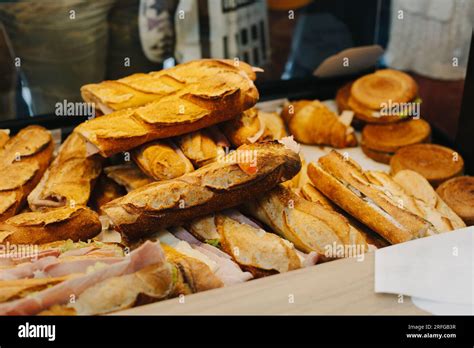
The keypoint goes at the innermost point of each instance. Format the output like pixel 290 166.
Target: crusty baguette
pixel 162 160
pixel 251 170
pixel 309 226
pixel 204 146
pixel 23 161
pixel 79 223
pixel 256 251
pixel 193 274
pixel 312 122
pixel 247 128
pixel 274 125
pixel 140 89
pixel 312 194
pixel 198 103
pixel 433 208
pixel 346 184
pixel 70 178
pixel 254 126
pixel 128 175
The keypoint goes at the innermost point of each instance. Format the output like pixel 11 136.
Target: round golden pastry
pixel 434 162
pixel 367 115
pixel 373 90
pixel 391 137
pixel 458 193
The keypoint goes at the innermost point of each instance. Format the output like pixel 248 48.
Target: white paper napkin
pixel 437 271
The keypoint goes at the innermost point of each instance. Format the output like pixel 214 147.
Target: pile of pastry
pixel 385 106
pixel 181 185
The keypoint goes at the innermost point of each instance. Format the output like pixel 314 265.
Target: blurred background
pixel 49 49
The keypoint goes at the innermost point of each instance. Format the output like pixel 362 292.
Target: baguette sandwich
pixel 237 177
pixel 162 160
pixel 308 225
pixel 220 263
pixel 197 103
pixel 23 161
pixel 254 126
pixel 78 223
pixel 140 89
pixel 100 280
pixel 204 146
pixel 70 178
pixel 344 182
pixel 255 250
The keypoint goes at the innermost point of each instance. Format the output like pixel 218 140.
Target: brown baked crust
pixel 200 147
pixel 160 160
pixel 211 188
pixel 378 156
pixel 372 90
pixel 140 89
pixel 259 252
pixel 311 122
pixel 367 115
pixel 328 177
pixel 195 275
pixel 435 162
pixel 391 137
pixel 35 147
pixel 243 127
pixel 78 223
pixel 458 193
pixel 310 226
pixel 274 126
pixel 70 178
pixel 197 104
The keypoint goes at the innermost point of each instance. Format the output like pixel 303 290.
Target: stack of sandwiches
pixel 182 185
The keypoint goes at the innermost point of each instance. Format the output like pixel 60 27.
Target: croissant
pixel 311 122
